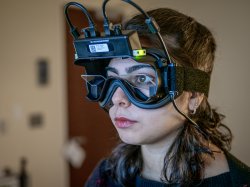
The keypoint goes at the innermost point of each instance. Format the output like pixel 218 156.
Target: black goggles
pixel 149 86
pixel 95 50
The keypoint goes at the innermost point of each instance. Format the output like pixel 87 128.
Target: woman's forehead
pixel 126 62
pixel 116 62
pixel 128 65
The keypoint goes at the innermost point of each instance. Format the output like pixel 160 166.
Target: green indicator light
pixel 139 52
pixel 137 58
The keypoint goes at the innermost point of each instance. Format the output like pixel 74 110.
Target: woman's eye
pixel 144 79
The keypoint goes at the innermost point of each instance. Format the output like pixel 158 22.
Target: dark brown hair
pixel 190 44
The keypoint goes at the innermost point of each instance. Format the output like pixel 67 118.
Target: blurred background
pixel 44 118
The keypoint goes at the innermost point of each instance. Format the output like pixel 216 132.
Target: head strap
pixel 190 79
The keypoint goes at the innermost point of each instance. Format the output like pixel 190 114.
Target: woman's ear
pixel 195 101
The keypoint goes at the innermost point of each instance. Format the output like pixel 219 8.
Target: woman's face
pixel 139 126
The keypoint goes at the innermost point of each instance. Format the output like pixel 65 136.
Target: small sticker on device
pixel 97 48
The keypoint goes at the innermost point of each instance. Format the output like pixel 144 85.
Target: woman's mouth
pixel 122 122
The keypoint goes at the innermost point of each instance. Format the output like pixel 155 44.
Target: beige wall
pixel 33 29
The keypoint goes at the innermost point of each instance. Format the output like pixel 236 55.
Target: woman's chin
pixel 132 140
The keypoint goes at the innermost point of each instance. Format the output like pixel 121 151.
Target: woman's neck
pixel 153 156
pixel 152 163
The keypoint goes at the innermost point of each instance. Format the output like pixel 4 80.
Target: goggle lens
pixel 144 83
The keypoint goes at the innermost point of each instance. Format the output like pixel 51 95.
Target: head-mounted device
pixel 95 50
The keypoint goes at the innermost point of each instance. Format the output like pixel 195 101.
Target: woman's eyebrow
pixel 137 67
pixel 129 69
pixel 111 69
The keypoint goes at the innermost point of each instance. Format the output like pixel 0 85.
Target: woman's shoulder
pixel 96 176
pixel 100 176
pixel 240 172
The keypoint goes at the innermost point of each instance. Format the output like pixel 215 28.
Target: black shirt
pixel 223 179
pixel 238 176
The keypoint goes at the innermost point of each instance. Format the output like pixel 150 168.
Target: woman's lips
pixel 122 122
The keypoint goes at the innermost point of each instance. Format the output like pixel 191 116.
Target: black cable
pixel 104 11
pixel 165 48
pixel 153 26
pixel 188 118
pixel 105 19
pixel 137 7
pixel 73 29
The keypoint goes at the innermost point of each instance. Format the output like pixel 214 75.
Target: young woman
pixel 179 143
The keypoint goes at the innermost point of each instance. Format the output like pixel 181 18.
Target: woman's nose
pixel 120 99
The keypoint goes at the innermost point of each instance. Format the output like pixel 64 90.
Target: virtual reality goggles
pixel 154 82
